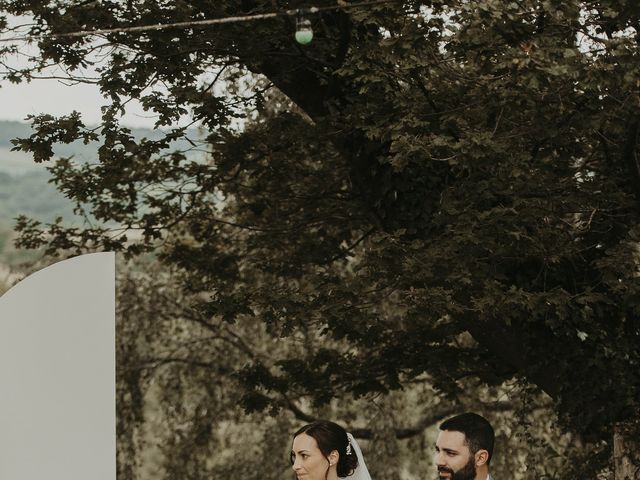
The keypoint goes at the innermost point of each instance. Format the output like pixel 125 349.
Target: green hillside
pixel 25 187
pixel 31 194
pixel 24 184
pixel 11 161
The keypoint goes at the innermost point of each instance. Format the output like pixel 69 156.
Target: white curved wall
pixel 57 373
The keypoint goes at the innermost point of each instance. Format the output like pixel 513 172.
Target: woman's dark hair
pixel 330 436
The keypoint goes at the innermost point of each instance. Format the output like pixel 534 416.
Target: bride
pixel 323 450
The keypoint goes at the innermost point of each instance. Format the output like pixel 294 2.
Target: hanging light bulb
pixel 304 32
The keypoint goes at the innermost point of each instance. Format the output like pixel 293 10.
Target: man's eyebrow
pixel 444 449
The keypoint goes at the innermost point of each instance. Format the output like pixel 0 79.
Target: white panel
pixel 57 373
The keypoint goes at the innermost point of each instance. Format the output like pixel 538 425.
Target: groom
pixel 464 448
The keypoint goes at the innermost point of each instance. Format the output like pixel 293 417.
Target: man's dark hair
pixel 478 432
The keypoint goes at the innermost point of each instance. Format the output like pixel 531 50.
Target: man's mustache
pixel 445 470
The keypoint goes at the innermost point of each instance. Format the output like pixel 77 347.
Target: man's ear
pixel 482 457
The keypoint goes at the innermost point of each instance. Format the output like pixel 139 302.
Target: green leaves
pixel 50 130
pixel 443 194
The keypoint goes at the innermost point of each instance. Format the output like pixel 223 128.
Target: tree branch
pixel 629 154
pixel 407 432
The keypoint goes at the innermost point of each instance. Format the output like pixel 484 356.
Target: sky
pixel 53 96
pixel 56 98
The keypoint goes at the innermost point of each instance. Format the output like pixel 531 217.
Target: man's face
pixel 453 458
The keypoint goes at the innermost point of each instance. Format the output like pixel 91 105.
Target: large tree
pixel 443 188
pixel 180 416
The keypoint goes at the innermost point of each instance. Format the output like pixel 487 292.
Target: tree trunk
pixel 626 453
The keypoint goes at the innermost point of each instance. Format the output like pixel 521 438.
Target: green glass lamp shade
pixel 304 32
pixel 304 36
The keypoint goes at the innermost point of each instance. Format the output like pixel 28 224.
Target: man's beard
pixel 468 472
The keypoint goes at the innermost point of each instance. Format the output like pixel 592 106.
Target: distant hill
pixel 15 162
pixel 31 194
pixel 24 187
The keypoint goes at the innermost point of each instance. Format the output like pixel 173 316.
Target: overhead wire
pixel 197 23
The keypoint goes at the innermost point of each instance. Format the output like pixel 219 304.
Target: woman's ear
pixel 334 457
pixel 482 456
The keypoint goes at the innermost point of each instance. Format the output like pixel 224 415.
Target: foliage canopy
pixel 442 188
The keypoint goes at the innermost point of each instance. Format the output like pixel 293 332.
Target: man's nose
pixel 439 458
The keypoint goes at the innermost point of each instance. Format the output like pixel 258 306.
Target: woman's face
pixel 308 461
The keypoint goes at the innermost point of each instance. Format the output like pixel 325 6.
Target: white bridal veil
pixel 361 472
